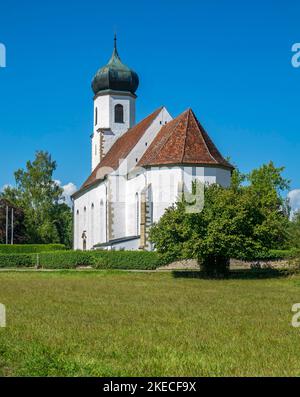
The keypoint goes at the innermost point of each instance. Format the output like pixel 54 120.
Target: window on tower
pixel 119 114
pixel 96 116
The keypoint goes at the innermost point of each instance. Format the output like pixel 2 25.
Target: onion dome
pixel 115 76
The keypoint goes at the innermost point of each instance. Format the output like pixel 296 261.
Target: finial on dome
pixel 115 75
pixel 115 41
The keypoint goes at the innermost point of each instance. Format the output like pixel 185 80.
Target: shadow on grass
pixel 241 274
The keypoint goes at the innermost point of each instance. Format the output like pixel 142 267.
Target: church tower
pixel 114 86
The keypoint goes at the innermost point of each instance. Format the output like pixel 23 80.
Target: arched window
pixel 137 213
pixel 119 114
pixel 102 222
pixel 91 234
pixel 96 116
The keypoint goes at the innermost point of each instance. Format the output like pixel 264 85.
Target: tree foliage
pixel 47 219
pixel 18 220
pixel 242 221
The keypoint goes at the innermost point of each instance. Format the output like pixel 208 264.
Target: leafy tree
pixel 19 229
pixel 46 218
pixel 243 221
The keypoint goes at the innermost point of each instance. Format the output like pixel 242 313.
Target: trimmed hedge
pixel 17 260
pixel 143 260
pixel 65 259
pixel 29 248
pixel 280 254
pixel 139 260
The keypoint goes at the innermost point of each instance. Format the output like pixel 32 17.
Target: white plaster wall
pixel 117 188
pixel 95 149
pixel 128 103
pixel 164 182
pixel 102 102
pixel 105 105
pixel 134 188
pixel 223 177
pixel 131 245
pixel 91 219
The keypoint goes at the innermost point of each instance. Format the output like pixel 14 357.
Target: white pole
pixel 12 226
pixel 6 226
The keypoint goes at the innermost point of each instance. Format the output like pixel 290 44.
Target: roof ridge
pixel 202 128
pixel 183 141
pixel 186 132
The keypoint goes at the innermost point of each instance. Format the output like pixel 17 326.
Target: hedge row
pixel 17 260
pixel 280 254
pixel 30 248
pixel 71 259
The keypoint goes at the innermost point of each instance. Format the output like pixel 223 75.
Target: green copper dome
pixel 115 76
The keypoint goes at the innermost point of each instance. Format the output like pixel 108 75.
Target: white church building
pixel 137 170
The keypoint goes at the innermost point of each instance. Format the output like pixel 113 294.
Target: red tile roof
pixel 183 141
pixel 120 149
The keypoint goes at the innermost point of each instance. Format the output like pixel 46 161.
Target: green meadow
pixel 114 323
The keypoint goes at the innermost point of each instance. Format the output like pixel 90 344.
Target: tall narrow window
pixel 137 204
pixel 92 224
pixel 96 116
pixel 102 223
pixel 119 114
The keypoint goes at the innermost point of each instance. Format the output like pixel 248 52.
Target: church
pixel 137 169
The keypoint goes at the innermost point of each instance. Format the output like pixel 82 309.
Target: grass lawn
pixel 111 323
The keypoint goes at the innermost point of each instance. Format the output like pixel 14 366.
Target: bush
pixel 17 260
pixel 65 259
pixel 279 254
pixel 139 260
pixel 30 248
pixel 100 260
pixel 142 260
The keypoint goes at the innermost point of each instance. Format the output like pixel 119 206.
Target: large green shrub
pixel 29 248
pixel 279 254
pixel 241 221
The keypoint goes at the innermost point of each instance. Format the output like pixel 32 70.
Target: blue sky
pixel 229 61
